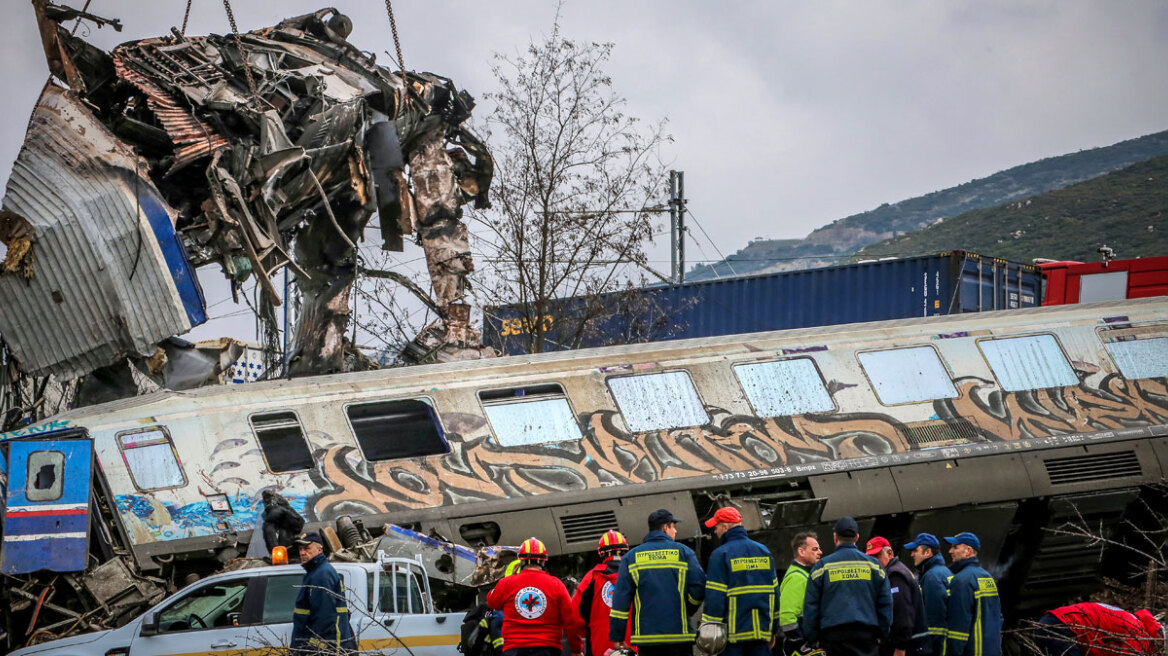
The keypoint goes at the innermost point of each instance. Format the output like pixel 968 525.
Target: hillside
pixel 834 242
pixel 1127 210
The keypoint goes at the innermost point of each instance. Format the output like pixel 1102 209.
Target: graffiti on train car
pixel 730 447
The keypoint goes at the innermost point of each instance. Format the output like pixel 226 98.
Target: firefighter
pixel 974 625
pixel 910 628
pixel 537 611
pixel 593 598
pixel 1090 629
pixel 741 570
pixel 320 621
pixel 848 607
pixel 806 552
pixel 666 579
pixel 934 581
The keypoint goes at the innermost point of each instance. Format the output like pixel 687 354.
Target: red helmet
pixel 612 541
pixel 533 549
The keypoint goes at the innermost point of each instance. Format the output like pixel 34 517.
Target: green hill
pixel 1126 209
pixel 838 240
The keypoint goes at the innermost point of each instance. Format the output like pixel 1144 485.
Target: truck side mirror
pixel 149 624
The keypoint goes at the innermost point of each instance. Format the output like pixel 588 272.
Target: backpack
pixel 475 632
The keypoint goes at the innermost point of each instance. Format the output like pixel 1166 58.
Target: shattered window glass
pixel 785 387
pixel 46 476
pixel 397 429
pixel 282 441
pixel 530 415
pixel 1141 358
pixel 907 375
pixel 1028 363
pixel 658 401
pixel 150 457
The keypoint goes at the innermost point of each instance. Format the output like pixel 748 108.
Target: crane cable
pixel 186 17
pixel 242 54
pixel 396 41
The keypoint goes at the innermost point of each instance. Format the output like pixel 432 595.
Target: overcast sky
pixel 785 115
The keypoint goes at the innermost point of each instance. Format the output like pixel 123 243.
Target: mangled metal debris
pixel 260 151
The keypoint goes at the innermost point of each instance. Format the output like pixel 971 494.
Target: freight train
pixel 1001 423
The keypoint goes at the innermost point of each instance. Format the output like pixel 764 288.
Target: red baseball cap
pixel 876 545
pixel 724 514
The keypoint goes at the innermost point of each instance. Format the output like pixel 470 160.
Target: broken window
pixel 282 441
pixel 150 457
pixel 784 387
pixel 46 476
pixel 907 375
pixel 658 401
pixel 397 429
pixel 1028 363
pixel 530 415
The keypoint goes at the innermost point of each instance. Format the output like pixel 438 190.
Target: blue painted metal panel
pixel 930 285
pixel 46 521
pixel 181 271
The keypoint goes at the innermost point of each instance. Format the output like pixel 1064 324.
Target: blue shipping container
pixel 928 285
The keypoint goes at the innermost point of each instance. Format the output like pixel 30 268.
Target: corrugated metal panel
pixel 929 285
pixel 103 286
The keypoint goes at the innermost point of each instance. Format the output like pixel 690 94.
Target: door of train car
pixel 45 522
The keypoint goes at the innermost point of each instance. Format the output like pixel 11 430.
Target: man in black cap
pixel 848 607
pixel 320 622
pixel 665 577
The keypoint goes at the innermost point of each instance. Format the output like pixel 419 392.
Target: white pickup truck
pixel 249 611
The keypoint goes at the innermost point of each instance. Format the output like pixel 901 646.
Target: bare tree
pixel 576 177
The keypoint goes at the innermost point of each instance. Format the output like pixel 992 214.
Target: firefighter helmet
pixel 612 541
pixel 533 549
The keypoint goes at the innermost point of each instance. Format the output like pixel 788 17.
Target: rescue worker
pixel 1091 629
pixel 537 611
pixel 910 630
pixel 320 621
pixel 665 578
pixel 593 598
pixel 806 552
pixel 848 607
pixel 743 570
pixel 934 581
pixel 974 623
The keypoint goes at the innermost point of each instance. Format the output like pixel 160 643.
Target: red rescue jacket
pixel 593 600
pixel 1104 630
pixel 537 611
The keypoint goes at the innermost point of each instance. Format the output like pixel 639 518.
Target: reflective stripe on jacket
pixel 791 593
pixel 657 582
pixel 740 588
pixel 935 588
pixel 537 611
pixel 320 620
pixel 975 612
pixel 847 587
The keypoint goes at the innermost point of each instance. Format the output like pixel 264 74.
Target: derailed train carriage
pixel 1003 423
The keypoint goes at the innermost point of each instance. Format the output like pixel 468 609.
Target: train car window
pixel 150 457
pixel 658 401
pixel 1028 363
pixel 784 387
pixel 1144 358
pixel 530 415
pixel 907 375
pixel 282 441
pixel 46 476
pixel 386 430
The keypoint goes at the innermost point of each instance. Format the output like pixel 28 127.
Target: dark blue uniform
pixel 741 587
pixel 975 612
pixel 848 606
pixel 935 588
pixel 320 622
pixel 656 584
